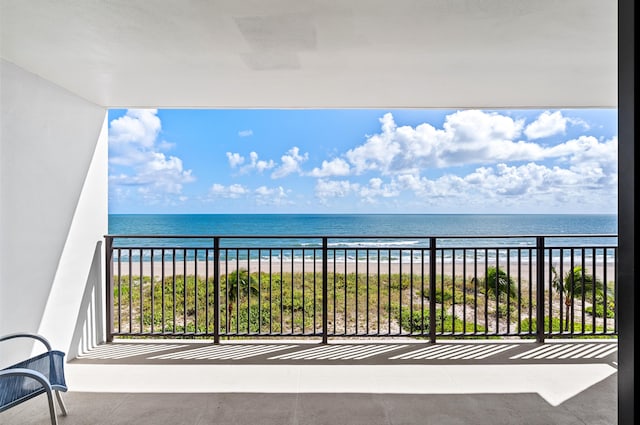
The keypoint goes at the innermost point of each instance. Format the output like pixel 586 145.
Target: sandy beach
pixel 206 268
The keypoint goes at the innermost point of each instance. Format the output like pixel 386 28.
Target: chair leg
pixel 52 408
pixel 63 408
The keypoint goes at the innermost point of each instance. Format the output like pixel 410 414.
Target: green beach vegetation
pixel 579 284
pixel 284 304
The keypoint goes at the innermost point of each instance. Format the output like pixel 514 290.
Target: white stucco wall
pixel 53 209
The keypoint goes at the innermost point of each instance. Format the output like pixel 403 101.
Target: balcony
pixel 211 329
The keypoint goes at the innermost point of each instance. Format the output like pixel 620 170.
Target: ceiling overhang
pixel 320 53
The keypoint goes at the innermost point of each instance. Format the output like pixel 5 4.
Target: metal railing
pixel 354 286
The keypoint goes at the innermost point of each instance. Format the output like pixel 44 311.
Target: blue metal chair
pixel 42 374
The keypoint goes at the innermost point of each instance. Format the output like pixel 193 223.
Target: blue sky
pixel 363 161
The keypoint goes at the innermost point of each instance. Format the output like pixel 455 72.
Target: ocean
pixel 423 225
pixel 371 230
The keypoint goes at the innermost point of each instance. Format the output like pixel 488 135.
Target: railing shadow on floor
pixel 354 352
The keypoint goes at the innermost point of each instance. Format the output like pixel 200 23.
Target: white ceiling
pixel 319 53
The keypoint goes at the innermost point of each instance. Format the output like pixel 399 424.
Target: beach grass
pixel 357 305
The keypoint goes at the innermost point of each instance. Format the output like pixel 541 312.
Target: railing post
pixel 108 252
pixel 216 290
pixel 540 288
pixel 325 292
pixel 432 290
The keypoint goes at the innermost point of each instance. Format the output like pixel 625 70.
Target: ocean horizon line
pixel 368 214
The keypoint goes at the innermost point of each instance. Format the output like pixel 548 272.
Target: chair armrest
pixel 29 373
pixel 27 335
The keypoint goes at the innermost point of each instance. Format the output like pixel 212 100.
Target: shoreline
pixel 206 268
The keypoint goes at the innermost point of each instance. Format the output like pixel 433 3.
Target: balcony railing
pixel 361 286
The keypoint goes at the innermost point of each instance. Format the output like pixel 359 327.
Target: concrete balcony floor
pixel 344 382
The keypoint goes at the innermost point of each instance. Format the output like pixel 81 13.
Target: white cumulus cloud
pixel 136 159
pixel 335 167
pixel 232 191
pixel 235 159
pixel 327 189
pixel 467 137
pixel 378 189
pixel 137 127
pixel 259 164
pixel 290 163
pixel 271 196
pixel 547 124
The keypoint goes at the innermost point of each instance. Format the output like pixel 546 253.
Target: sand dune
pixel 206 268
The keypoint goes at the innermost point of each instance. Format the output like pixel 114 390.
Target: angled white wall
pixel 53 210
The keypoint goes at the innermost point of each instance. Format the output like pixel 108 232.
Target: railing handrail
pixel 320 237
